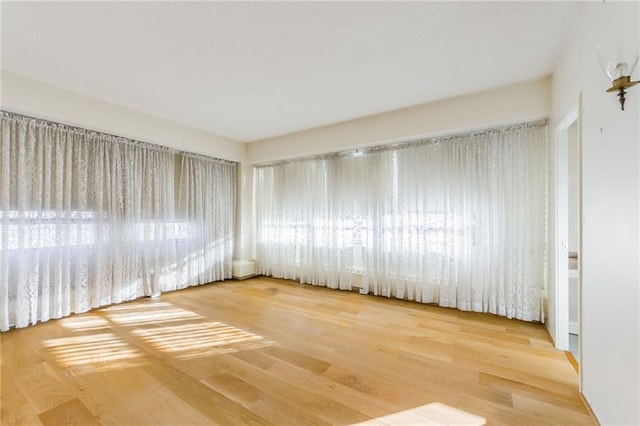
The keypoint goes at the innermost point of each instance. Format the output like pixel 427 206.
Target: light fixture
pixel 613 61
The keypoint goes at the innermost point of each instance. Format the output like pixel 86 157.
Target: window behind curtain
pixel 459 221
pixel 88 219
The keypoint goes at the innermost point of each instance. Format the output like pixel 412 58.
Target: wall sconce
pixel 613 63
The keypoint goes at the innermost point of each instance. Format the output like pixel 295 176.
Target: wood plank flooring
pixel 268 351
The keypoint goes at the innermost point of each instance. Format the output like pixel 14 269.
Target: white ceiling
pixel 249 71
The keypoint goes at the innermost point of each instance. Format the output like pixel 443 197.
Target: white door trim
pixel 562 229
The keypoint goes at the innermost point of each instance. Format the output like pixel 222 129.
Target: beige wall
pixel 29 97
pixel 506 105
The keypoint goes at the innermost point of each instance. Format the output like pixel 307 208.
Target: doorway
pixel 568 234
pixel 573 219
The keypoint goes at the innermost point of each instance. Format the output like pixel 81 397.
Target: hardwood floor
pixel 272 351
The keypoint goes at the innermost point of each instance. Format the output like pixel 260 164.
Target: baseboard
pixel 589 410
pixel 245 277
pixel 573 361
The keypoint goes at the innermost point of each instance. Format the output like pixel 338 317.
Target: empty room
pixel 345 213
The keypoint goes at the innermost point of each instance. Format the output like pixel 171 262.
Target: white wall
pixel 506 105
pixel 29 97
pixel 610 361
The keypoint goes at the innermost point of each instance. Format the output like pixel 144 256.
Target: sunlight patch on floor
pixel 148 313
pixel 199 340
pixel 84 322
pixel 435 413
pixel 94 353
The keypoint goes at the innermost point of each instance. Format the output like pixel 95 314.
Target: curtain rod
pixel 536 124
pixel 150 145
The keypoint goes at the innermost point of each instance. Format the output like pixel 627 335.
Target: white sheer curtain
pixel 207 205
pixel 464 224
pixel 85 220
pixel 459 221
pixel 305 225
pixel 88 219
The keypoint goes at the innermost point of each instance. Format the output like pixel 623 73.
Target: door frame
pixel 561 239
